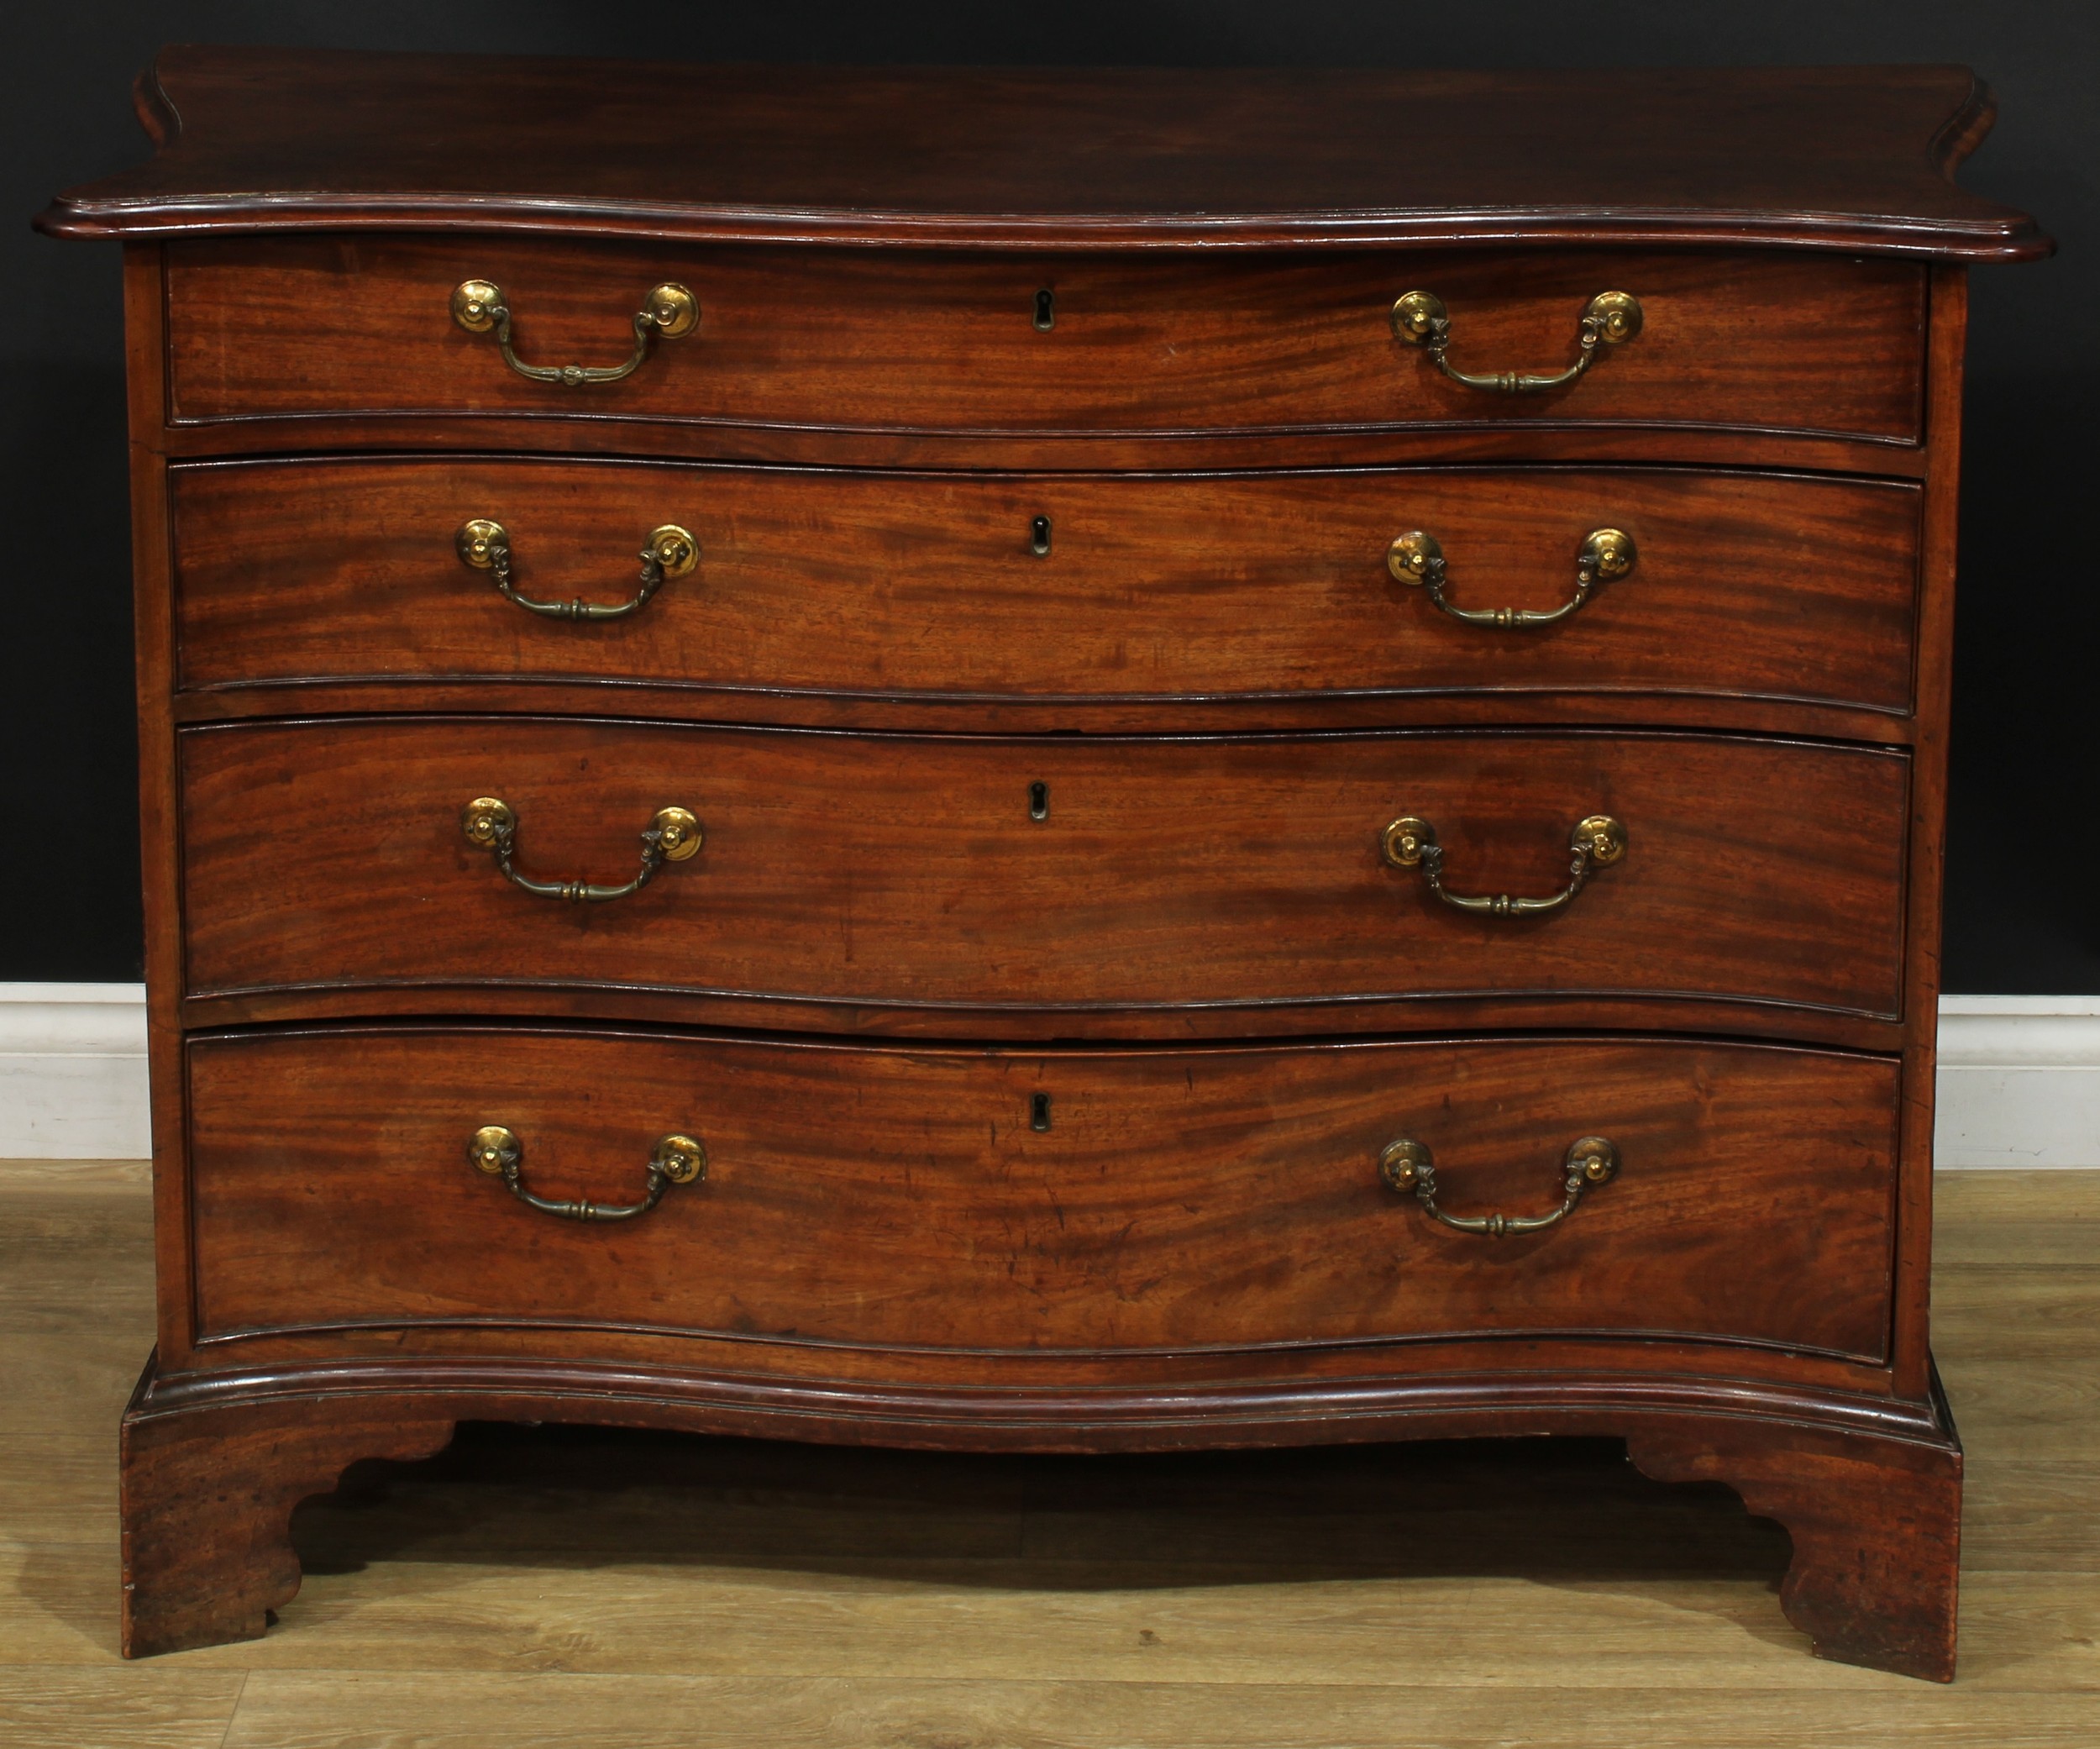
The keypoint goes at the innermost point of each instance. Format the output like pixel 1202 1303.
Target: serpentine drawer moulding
pixel 1045 761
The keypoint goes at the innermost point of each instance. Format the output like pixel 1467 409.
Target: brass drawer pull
pixel 485 546
pixel 677 1160
pixel 672 836
pixel 670 310
pixel 1419 318
pixel 1597 842
pixel 1416 558
pixel 1406 1165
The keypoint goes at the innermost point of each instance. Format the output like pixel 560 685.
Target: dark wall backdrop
pixel 2024 862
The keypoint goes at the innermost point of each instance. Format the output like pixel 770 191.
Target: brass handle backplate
pixel 1596 842
pixel 484 546
pixel 676 1160
pixel 1415 557
pixel 669 311
pixel 1406 1165
pixel 671 837
pixel 1420 319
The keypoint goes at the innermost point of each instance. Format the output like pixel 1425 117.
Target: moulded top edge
pixel 1842 158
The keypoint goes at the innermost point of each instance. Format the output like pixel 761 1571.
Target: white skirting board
pixel 2019 1076
pixel 2019 1081
pixel 73 1072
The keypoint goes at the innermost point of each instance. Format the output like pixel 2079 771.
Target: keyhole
pixel 1039 1112
pixel 1046 310
pixel 1038 801
pixel 1039 537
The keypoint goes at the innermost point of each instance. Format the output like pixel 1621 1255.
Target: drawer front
pixel 933 341
pixel 1046 585
pixel 1177 1198
pixel 902 868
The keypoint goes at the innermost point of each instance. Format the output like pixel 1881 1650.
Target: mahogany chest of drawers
pixel 1065 762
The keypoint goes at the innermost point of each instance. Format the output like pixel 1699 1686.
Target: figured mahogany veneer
pixel 1870 1492
pixel 1170 1199
pixel 1844 159
pixel 831 583
pixel 909 870
pixel 796 338
pixel 1038 817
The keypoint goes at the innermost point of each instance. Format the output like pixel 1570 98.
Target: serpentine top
pixel 1839 158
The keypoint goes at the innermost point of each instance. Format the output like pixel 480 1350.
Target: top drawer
pixel 920 340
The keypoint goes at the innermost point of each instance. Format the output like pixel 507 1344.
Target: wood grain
pixel 1842 158
pixel 1949 322
pixel 831 582
pixel 560 1583
pixel 1175 1199
pixel 1891 1610
pixel 1179 888
pixel 560 433
pixel 208 1506
pixel 673 701
pixel 907 870
pixel 1876 1528
pixel 154 654
pixel 263 327
pixel 60 1709
pixel 601 1713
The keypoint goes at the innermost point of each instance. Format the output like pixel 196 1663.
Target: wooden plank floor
pixel 545 1587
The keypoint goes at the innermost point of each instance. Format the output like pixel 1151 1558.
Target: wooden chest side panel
pixel 909 870
pixel 1176 1198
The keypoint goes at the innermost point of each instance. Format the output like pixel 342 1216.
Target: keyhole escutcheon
pixel 1038 801
pixel 1039 537
pixel 1046 310
pixel 1039 1112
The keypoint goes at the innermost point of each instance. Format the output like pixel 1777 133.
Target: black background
pixel 2024 898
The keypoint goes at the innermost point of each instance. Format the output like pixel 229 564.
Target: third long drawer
pixel 986 873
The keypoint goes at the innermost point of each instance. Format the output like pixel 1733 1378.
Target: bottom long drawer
pixel 1080 1199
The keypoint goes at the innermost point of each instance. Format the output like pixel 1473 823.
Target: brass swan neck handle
pixel 1416 558
pixel 672 836
pixel 1610 319
pixel 484 546
pixel 1597 841
pixel 669 311
pixel 1406 1165
pixel 676 1160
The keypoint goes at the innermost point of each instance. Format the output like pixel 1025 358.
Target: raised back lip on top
pixel 1855 159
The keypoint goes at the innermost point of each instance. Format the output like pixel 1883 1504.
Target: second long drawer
pixel 991 873
pixel 1048 586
